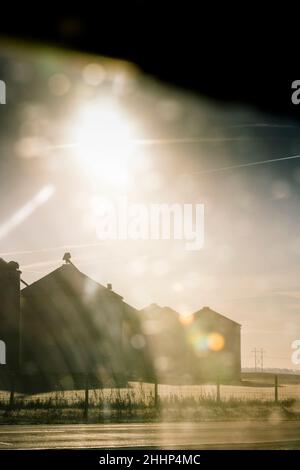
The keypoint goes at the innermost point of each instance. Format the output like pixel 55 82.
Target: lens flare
pixel 204 342
pixel 186 319
pixel 216 342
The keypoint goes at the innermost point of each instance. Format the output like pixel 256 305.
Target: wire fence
pixel 141 394
pixel 230 392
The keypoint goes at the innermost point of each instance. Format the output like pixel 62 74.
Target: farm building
pixel 66 329
pixel 204 346
pixel 215 346
pixel 10 312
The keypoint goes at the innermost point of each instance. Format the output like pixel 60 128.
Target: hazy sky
pixel 77 129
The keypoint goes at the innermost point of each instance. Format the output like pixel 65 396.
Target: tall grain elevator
pixel 10 317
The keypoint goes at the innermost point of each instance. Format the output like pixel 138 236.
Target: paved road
pixel 211 435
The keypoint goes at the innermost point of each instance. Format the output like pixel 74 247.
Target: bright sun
pixel 104 143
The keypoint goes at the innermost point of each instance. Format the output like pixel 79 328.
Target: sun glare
pixel 104 143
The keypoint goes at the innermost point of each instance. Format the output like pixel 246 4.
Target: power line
pixel 262 353
pixel 255 352
pixel 259 355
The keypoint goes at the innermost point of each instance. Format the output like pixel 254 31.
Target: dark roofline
pixel 208 309
pixel 164 312
pixel 169 309
pixel 159 307
pixel 33 284
pixel 60 268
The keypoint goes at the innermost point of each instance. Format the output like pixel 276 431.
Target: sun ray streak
pixel 25 211
pixel 243 165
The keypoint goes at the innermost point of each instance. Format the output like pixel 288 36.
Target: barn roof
pixel 68 273
pixel 208 311
pixel 157 308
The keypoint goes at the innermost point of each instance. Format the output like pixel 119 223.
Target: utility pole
pixel 255 352
pixel 262 353
pixel 259 358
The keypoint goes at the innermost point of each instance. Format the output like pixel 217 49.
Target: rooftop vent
pixel 67 258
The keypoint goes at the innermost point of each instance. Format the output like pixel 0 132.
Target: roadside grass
pixel 120 407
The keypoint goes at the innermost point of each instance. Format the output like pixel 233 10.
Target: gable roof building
pixel 70 329
pixel 215 344
pixel 66 329
pixel 204 346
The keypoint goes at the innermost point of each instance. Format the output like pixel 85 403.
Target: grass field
pixel 253 386
pixel 267 378
pixel 253 398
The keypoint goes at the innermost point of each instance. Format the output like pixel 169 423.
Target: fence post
pixel 12 393
pixel 86 399
pixel 218 390
pixel 156 397
pixel 276 388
